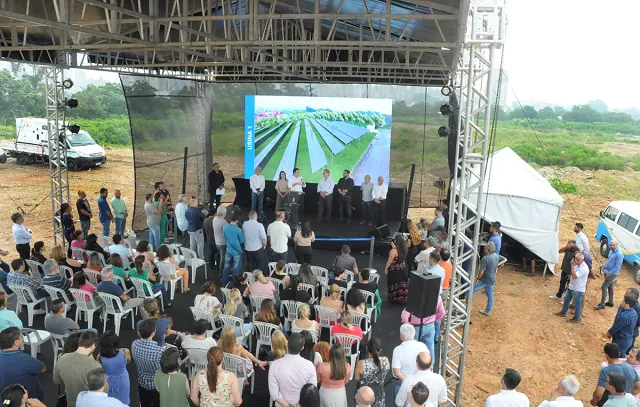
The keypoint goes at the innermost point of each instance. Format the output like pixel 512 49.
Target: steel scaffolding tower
pixel 474 83
pixel 55 108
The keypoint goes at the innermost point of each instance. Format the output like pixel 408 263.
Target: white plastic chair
pixel 321 273
pixel 289 312
pixel 225 294
pixel 327 317
pixel 92 275
pixel 175 253
pixel 197 361
pixel 370 301
pixel 113 306
pixel 66 272
pixel 235 323
pixel 272 266
pixel 311 289
pixel 313 332
pixel 166 271
pixel 349 342
pixel 143 287
pixel 278 284
pixel 79 254
pixel 86 304
pixel 374 278
pixel 26 297
pixel 34 338
pixel 292 268
pixel 102 260
pixel 363 321
pixel 249 276
pixel 263 334
pixel 350 277
pixel 56 293
pixel 131 242
pixel 191 260
pixel 121 282
pixel 207 316
pixel 104 241
pixel 37 270
pixel 343 293
pixel 57 342
pixel 256 302
pixel 238 366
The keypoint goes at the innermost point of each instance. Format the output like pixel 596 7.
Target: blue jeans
pixel 85 225
pixel 488 288
pixel 154 236
pixel 160 287
pixel 428 334
pixel 623 344
pixel 95 331
pixel 260 198
pixel 577 296
pixel 367 211
pixel 396 389
pixel 105 228
pixel 436 326
pixel 120 222
pixel 229 262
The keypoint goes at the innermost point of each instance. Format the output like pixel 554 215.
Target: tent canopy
pixel 524 202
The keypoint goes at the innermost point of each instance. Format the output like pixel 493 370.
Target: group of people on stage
pixel 374 196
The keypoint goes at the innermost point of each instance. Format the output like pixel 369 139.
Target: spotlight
pixel 67 83
pixel 444 131
pixel 72 103
pixel 446 110
pixel 446 90
pixel 74 128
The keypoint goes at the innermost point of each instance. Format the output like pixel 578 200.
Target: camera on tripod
pixel 440 184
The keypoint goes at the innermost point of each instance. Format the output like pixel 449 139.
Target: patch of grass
pixel 563 187
pixel 273 161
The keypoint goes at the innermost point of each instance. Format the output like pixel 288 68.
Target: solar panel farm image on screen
pixel 314 133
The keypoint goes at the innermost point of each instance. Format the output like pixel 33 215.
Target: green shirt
pixel 120 272
pixel 118 207
pixel 172 388
pixel 144 276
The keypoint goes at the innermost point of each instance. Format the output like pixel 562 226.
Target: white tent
pixel 524 202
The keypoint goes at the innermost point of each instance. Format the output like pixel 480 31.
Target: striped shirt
pixel 22 279
pixel 146 354
pixel 58 281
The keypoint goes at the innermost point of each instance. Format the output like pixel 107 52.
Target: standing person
pixel 146 354
pixel 84 212
pixel 577 287
pixel 403 360
pixel 105 215
pixel 181 219
pixel 303 239
pixel 68 227
pixel 296 184
pixel 257 184
pixel 419 395
pixel 616 384
pixel 365 397
pixel 345 187
pixel 207 225
pixel 72 368
pixel 95 395
pixel 215 386
pixel 325 197
pixel 218 224
pixel 172 385
pixel 445 212
pixel 435 383
pixel 367 201
pixel 289 374
pixel 332 377
pixel 114 360
pixel 428 325
pixel 153 214
pixel 611 272
pixel 18 366
pixel 487 276
pixel 563 395
pixel 255 242
pixel 614 364
pixel 233 255
pixel 216 181
pixel 279 234
pixel 438 221
pixel 634 292
pixel 120 212
pixel 508 396
pixel 371 372
pixel 566 269
pixel 582 241
pixel 282 191
pixel 621 332
pixel 21 235
pixel 160 200
pixel 495 235
pixel 395 269
pixel 380 202
pixel 195 219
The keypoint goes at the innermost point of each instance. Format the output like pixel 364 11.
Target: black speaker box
pixel 381 232
pixel 423 295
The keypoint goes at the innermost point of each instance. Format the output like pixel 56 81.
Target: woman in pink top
pixel 78 240
pixel 260 286
pixel 81 282
pixel 332 377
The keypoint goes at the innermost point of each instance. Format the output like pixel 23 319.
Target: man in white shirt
pixel 365 397
pixel 218 224
pixel 296 183
pixel 434 382
pixel 367 201
pixel 422 258
pixel 279 234
pixel 22 236
pixel 577 287
pixel 255 242
pixel 325 197
pixel 403 361
pixel 435 268
pixel 256 182
pixel 380 201
pixel 562 396
pixel 582 241
pixel 508 396
pixel 181 209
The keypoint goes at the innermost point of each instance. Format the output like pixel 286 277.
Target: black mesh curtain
pixel 166 115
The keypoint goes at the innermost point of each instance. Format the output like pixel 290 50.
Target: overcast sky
pixel 572 51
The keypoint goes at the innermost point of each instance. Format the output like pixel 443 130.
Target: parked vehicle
pixel 31 145
pixel 620 222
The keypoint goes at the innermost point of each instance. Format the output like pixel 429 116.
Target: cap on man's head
pixel 496 224
pixel 580 225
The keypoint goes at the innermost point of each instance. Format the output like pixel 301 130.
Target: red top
pixel 355 331
pixel 448 271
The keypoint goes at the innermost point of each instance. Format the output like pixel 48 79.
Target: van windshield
pixel 80 139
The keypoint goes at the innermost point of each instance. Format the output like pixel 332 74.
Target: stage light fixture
pixel 444 131
pixel 67 83
pixel 71 103
pixel 446 90
pixel 446 110
pixel 74 128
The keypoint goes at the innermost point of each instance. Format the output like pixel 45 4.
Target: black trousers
pixel 213 198
pixel 344 202
pixel 303 254
pixel 24 250
pixel 324 207
pixel 381 212
pixel 564 282
pixel 148 398
pixel 255 260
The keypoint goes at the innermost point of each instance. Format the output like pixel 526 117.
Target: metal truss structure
pixel 55 108
pixel 474 85
pixel 414 42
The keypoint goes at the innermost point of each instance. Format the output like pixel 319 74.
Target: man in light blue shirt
pixel 105 215
pixel 96 397
pixel 181 210
pixel 233 255
pixel 255 242
pixel 611 272
pixel 435 268
pixel 325 196
pixel 119 247
pixel 495 235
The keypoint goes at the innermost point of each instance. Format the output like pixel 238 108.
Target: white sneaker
pixel 555 297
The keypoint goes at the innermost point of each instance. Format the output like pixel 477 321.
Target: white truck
pixel 31 145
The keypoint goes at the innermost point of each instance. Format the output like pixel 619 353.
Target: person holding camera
pixel 256 182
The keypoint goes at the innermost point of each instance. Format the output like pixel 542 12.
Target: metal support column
pixel 474 86
pixel 200 147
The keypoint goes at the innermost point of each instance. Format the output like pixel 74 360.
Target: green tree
pixel 546 113
pixel 583 113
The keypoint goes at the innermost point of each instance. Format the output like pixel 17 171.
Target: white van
pixel 620 221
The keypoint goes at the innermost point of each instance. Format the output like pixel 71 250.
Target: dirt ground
pixel 521 333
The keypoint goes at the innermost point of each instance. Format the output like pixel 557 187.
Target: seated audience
pixel 114 360
pixel 18 366
pixel 339 277
pixel 146 355
pixel 16 395
pixel 228 344
pixel 309 396
pixel 58 254
pixel 4 273
pixel 333 376
pixel 207 301
pixel 306 276
pixel 92 245
pixel 95 263
pixel 260 286
pixel 508 396
pixel 215 386
pixel 95 395
pixel 289 374
pixel 294 293
pixel 267 313
pixel 143 274
pixel 151 310
pixel 333 299
pixel 280 272
pixel 20 276
pixel 355 301
pixel 198 339
pixel 149 259
pixel 164 255
pixel 77 240
pixel 373 370
pixel 57 323
pixel 307 351
pixel 118 270
pixel 172 385
pixel 364 283
pixel 235 307
pixel 403 361
pixel 81 282
pixel 563 394
pixel 304 322
pixel 72 368
pixel 346 326
pixel 8 318
pixel 108 286
pixel 53 279
pixel 119 248
pixel 36 252
pixel 435 383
